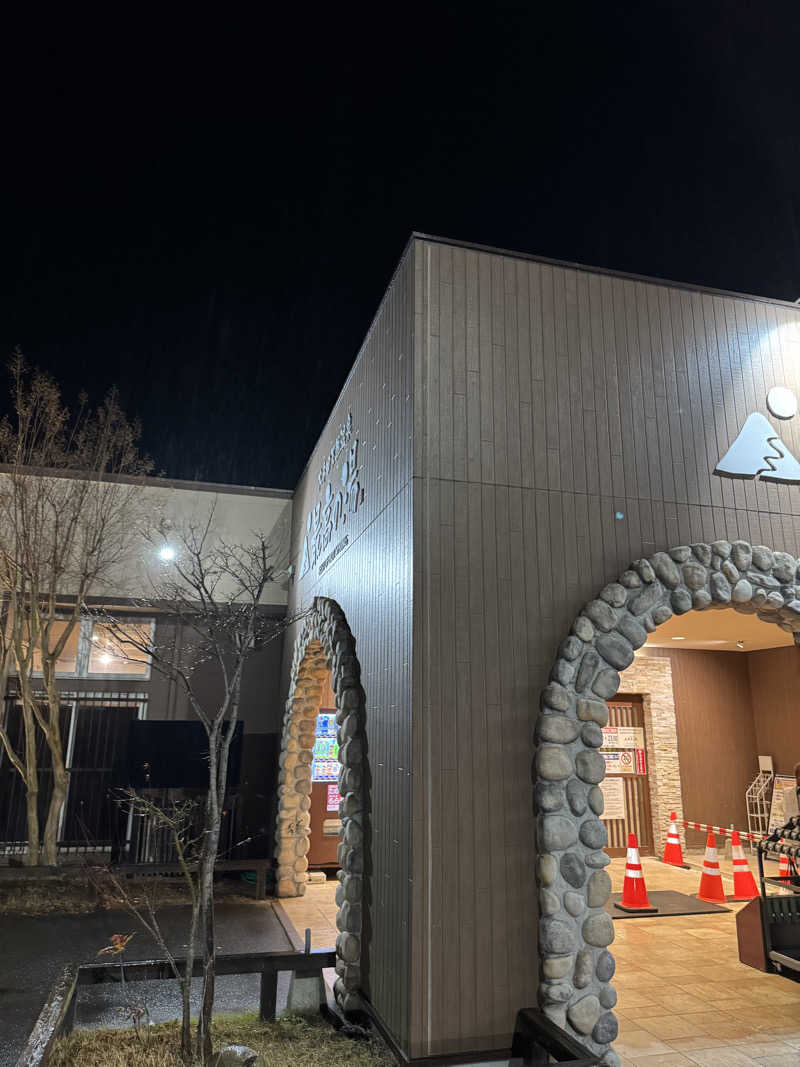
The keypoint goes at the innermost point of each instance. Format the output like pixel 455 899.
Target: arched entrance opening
pixel 575 932
pixel 325 656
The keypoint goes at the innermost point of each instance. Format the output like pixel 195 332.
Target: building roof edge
pixel 629 276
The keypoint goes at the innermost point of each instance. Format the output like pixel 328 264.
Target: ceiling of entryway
pixel 719 631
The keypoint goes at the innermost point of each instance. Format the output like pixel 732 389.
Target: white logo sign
pixel 758 451
pixel 330 513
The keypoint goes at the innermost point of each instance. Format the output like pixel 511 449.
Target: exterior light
pixel 620 515
pixel 678 638
pixel 740 644
pixel 782 402
pixel 166 553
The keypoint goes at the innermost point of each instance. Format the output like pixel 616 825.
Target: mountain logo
pixel 758 451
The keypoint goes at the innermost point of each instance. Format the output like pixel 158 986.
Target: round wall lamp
pixel 782 402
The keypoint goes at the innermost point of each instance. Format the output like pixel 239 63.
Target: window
pixel 67 663
pixel 95 650
pixel 110 652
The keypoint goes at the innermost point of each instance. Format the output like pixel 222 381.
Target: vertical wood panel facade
pixel 507 410
pixel 371 580
pixel 547 399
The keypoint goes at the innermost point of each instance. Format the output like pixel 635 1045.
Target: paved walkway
pixel 684 997
pixel 34 950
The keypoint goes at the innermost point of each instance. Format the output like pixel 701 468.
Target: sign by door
pixel 613 790
pixel 620 762
pixel 623 737
pixel 626 791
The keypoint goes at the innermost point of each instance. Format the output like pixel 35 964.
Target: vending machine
pixel 325 825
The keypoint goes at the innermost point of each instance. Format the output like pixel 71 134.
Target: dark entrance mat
pixel 668 902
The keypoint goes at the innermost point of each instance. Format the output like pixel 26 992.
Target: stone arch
pixel 326 644
pixel 574 929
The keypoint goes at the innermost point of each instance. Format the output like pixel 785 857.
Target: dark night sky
pixel 217 243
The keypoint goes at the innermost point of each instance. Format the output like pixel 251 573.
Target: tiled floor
pixel 684 998
pixel 315 911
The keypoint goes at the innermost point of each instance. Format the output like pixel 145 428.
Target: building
pixel 514 433
pixel 104 692
pixel 538 484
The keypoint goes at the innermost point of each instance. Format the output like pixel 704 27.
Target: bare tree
pixel 213 590
pixel 66 522
pixel 177 819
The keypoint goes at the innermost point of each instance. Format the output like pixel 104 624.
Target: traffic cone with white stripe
pixel 744 884
pixel 634 891
pixel 711 880
pixel 672 850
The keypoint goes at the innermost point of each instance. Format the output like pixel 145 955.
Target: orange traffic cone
pixel 744 884
pixel 634 891
pixel 672 850
pixel 711 880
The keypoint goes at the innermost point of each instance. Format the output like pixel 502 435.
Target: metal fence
pixel 98 817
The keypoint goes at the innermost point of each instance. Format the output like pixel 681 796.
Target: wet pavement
pixel 34 950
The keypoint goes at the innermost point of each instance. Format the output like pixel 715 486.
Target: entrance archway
pixel 575 931
pixel 326 644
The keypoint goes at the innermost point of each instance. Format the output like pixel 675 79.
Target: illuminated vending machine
pixel 324 840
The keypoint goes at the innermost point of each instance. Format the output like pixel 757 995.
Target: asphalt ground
pixel 34 950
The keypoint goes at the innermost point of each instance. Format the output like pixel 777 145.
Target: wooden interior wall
pixel 775 692
pixel 716 735
pixel 548 401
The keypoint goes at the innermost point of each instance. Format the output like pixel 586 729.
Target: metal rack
pixel 759 798
pixel 780 914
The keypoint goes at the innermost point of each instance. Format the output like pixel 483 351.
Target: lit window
pixel 67 663
pixel 111 653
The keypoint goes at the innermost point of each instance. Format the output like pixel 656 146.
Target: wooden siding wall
pixel 775 691
pixel 547 399
pixel 371 581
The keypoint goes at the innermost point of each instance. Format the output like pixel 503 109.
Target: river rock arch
pixel 326 644
pixel 574 930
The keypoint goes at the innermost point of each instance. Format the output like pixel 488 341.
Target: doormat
pixel 668 902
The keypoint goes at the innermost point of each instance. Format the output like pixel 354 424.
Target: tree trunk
pixel 31 788
pixel 57 798
pixel 60 780
pixel 206 872
pixel 187 1050
pixel 206 893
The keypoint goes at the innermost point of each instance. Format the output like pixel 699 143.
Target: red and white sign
pixel 641 762
pixel 333 798
pixel 619 762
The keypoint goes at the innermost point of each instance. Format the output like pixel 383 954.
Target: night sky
pixel 217 243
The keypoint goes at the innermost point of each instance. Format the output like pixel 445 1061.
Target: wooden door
pixel 624 748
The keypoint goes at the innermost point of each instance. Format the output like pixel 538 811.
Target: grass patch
pixel 291 1041
pixel 77 895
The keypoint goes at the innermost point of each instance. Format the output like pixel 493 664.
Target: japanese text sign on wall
pixel 613 790
pixel 623 737
pixel 339 497
pixel 333 798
